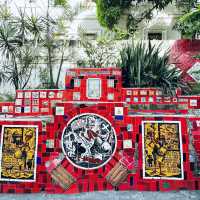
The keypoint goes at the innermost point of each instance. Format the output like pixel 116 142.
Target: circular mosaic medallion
pixel 88 141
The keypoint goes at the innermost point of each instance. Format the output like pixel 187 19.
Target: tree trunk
pixel 49 64
pixel 16 74
pixel 50 68
pixel 60 67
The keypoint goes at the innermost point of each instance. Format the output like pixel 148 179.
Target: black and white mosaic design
pixel 89 141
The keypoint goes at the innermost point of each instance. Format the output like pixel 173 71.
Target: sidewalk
pixel 181 195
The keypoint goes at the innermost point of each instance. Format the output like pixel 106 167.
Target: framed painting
pixel 18 153
pixel 162 150
pixel 93 88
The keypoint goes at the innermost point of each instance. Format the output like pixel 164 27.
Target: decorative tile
pixel 45 103
pixel 143 99
pixel 194 72
pixel 135 99
pixel 18 109
pixel 119 112
pixel 23 172
pixel 76 96
pixel 167 99
pixel 110 96
pixel 51 95
pixel 44 110
pixel 50 144
pixel 77 82
pixel 43 95
pixel 60 95
pixel 35 102
pixel 160 133
pixel 127 144
pixel 193 102
pixel 35 109
pixel 143 92
pixel 128 99
pixel 129 127
pixel 135 92
pixel 27 109
pixel 128 92
pixel 151 100
pixel 159 93
pixel 10 109
pixel 4 109
pixel 151 93
pixel 111 83
pixel 20 95
pixel 158 99
pixel 198 123
pixel 175 100
pixel 27 95
pixel 27 102
pixel 35 95
pixel 60 110
pixel 183 100
pixel 44 126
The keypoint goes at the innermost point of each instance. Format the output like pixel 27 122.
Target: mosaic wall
pixel 162 150
pixel 89 141
pixel 66 141
pixel 18 153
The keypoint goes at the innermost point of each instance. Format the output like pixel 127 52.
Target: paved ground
pixel 182 195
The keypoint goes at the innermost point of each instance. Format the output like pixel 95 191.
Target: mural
pixel 18 153
pixel 89 141
pixel 162 150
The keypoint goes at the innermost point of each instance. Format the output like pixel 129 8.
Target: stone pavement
pixel 110 195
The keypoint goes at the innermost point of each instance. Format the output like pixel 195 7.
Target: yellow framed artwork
pixel 162 150
pixel 18 153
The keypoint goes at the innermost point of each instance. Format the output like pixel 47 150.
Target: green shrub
pixel 109 12
pixel 142 66
pixel 189 24
pixel 60 2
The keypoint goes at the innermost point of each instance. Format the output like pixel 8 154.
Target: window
pixel 90 36
pixel 93 88
pixel 155 36
pixel 72 43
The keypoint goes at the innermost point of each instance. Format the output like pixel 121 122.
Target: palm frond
pixel 143 66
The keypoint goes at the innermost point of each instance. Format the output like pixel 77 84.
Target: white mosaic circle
pixel 89 141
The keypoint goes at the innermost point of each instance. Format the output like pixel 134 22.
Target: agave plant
pixel 18 54
pixel 142 66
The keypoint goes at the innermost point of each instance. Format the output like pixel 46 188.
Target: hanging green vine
pixel 189 24
pixel 110 11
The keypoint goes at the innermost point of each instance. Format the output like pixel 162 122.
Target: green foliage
pixel 196 89
pixel 197 56
pixel 4 13
pixel 189 24
pixel 142 66
pixel 60 2
pixel 187 5
pixel 21 39
pixel 107 16
pixel 109 12
pixel 19 53
pixel 43 78
pixel 100 53
pixel 120 34
pixel 7 97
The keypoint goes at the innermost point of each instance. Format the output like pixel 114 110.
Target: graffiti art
pixel 18 153
pixel 162 150
pixel 89 141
